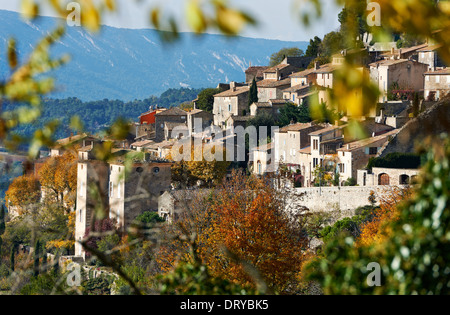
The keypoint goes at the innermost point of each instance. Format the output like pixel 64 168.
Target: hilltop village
pixel 318 160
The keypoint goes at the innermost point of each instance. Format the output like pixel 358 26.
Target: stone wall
pixel 329 199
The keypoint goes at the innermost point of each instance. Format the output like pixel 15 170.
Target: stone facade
pixel 408 74
pixel 133 193
pixel 330 199
pixel 230 103
pixel 437 84
pixel 380 176
pixel 89 174
pixel 173 115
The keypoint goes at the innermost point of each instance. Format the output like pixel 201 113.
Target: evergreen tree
pixel 36 258
pixel 2 228
pixel 12 258
pixel 253 94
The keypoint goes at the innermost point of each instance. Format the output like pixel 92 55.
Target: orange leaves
pixel 251 224
pixel 23 191
pixel 58 175
pixel 377 231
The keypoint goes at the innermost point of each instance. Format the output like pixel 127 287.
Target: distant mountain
pixel 129 64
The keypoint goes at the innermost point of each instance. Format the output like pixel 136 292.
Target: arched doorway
pixel 383 179
pixel 403 179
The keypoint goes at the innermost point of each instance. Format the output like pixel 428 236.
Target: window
pixel 156 170
pixel 229 107
pixel 315 162
pixel 81 215
pixel 341 168
pixel 373 150
pixel 315 144
pixel 118 190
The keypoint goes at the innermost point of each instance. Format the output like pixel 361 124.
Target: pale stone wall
pixel 346 199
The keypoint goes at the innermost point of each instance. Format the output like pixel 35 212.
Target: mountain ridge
pixel 129 64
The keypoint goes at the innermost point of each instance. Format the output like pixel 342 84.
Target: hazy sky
pixel 278 19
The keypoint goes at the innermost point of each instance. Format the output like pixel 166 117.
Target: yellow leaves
pixel 29 9
pixel 231 21
pixel 195 17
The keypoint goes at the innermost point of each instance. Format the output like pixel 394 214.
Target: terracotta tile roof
pixel 439 72
pixel 303 73
pixel 174 111
pixel 273 83
pixel 355 145
pixel 327 68
pixel 297 88
pixel 430 47
pixel 275 68
pixel 325 130
pixel 295 127
pixel 236 92
pixel 258 70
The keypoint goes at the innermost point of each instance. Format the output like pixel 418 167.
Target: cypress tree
pixel 2 229
pixel 12 258
pixel 36 258
pixel 253 94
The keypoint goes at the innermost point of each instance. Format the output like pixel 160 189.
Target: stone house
pixel 408 74
pixel 437 84
pixel 255 72
pixel 172 203
pixel 263 161
pixel 289 140
pixel 298 94
pixel 233 102
pixel 429 55
pixel 137 191
pixel 198 120
pixel 175 130
pixel 272 107
pixel 173 115
pixel 145 128
pixel 355 155
pixel 272 89
pixel 381 176
pixel 279 72
pixel 121 196
pixel 90 172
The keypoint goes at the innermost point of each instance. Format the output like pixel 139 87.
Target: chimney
pixel 233 86
pixel 316 65
pixel 348 146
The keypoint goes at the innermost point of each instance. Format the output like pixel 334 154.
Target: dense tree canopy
pixel 279 56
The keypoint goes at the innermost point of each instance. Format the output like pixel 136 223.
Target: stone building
pixel 137 191
pixel 255 72
pixel 263 161
pixel 173 115
pixel 355 155
pixel 429 55
pixel 289 140
pixel 381 176
pixel 171 204
pixel 91 174
pixel 406 73
pixel 233 102
pixel 198 120
pixel 437 84
pixel 105 187
pixel 271 89
pixel 298 94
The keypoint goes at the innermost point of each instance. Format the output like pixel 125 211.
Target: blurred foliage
pixel 414 254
